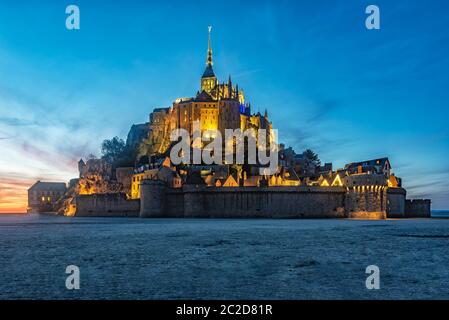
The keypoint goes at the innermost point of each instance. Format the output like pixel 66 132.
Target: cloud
pixel 16 122
pixel 245 73
pixel 419 186
pixel 13 192
pixel 296 136
pixel 321 110
pixel 310 125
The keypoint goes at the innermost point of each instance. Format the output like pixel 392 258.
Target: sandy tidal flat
pixel 121 258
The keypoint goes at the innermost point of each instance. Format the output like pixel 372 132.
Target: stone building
pixel 162 171
pixel 379 166
pixel 330 179
pixel 42 196
pixel 124 177
pixel 96 177
pixel 216 106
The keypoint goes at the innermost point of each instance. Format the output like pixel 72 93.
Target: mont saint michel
pixel 243 152
pixel 138 177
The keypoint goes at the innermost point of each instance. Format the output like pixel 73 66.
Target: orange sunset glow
pixel 13 196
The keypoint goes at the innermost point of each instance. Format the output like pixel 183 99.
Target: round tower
pixel 366 196
pixel 152 198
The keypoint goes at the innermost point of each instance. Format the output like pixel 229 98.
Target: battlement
pixel 417 208
pixel 263 202
pixel 159 200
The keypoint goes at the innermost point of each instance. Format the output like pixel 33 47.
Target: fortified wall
pixel 417 208
pixel 369 202
pixel 157 200
pixel 241 202
pixel 106 205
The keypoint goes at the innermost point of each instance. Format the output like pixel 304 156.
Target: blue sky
pixel 328 83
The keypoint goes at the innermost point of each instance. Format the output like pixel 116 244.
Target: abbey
pixel 216 106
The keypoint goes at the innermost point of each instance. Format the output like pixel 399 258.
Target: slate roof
pixel 375 162
pixel 375 165
pixel 203 97
pixel 49 186
pixel 208 72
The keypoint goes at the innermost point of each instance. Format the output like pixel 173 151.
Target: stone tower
pixel 152 198
pixel 366 196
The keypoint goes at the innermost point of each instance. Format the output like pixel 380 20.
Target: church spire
pixel 209 61
pixel 208 80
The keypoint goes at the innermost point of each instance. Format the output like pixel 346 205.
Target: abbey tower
pixel 216 106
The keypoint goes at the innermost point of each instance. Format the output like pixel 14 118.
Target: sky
pixel 328 83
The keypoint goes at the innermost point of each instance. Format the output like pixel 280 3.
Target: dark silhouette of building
pixel 43 195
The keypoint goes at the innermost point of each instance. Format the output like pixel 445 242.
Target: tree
pixel 117 153
pixel 307 164
pixel 112 149
pixel 311 158
pixel 126 159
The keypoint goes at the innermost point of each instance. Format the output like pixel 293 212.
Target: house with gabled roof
pixel 42 196
pixel 375 166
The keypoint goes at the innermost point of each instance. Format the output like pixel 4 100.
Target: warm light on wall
pixel 337 182
pixel 70 210
pixel 325 183
pixel 392 182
